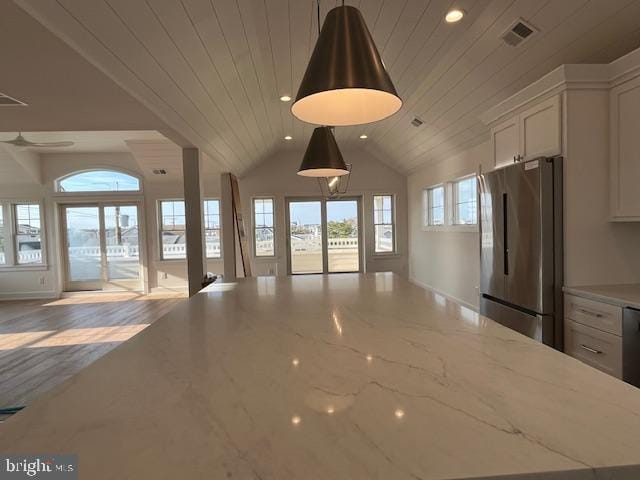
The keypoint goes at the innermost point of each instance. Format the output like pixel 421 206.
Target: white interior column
pixel 196 257
pixel 228 228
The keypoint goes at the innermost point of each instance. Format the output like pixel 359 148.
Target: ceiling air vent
pixel 518 32
pixel 416 122
pixel 159 171
pixel 7 101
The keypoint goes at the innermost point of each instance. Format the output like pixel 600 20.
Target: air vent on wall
pixel 7 101
pixel 518 32
pixel 159 171
pixel 416 122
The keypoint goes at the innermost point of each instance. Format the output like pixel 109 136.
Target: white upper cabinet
pixel 625 151
pixel 505 139
pixel 534 132
pixel 540 130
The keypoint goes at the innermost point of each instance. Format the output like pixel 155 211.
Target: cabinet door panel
pixel 540 127
pixel 505 142
pixel 625 151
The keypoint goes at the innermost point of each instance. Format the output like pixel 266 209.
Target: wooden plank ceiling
pixel 214 69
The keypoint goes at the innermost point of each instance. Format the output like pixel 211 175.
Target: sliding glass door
pixel 83 251
pixel 343 235
pixel 102 247
pixel 323 235
pixel 306 252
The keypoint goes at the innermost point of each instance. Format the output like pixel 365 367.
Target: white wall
pixel 277 177
pixel 597 251
pixel 39 282
pixel 48 281
pixel 447 260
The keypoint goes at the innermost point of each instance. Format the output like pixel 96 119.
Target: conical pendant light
pixel 323 157
pixel 346 82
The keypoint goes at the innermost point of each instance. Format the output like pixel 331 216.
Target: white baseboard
pixel 444 294
pixel 29 295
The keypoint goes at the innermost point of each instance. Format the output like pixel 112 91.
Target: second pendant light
pixel 323 157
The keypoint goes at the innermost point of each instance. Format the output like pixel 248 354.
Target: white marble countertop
pixel 625 295
pixel 334 377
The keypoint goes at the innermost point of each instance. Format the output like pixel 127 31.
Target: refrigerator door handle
pixel 505 238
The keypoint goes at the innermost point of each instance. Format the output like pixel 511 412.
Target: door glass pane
pixel 305 226
pixel 121 235
pixel 83 244
pixel 342 236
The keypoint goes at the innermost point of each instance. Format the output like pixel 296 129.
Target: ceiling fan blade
pixel 17 142
pixel 50 144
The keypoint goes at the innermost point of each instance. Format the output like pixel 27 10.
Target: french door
pixel 101 247
pixel 324 235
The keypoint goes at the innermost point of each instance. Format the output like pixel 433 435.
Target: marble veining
pixel 334 377
pixel 624 295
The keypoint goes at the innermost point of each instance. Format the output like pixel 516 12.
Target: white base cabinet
pixel 593 333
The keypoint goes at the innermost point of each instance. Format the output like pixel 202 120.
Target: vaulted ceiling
pixel 214 70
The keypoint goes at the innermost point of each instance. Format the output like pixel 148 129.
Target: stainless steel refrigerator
pixel 521 248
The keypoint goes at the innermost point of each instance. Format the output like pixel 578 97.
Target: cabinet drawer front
pixel 594 314
pixel 599 349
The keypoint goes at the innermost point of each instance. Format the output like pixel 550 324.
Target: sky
pixel 308 213
pixel 100 180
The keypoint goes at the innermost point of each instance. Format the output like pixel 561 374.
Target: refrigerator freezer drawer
pixel 538 327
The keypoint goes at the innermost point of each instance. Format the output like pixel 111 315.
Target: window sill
pixel 382 255
pixel 451 228
pixel 24 268
pixel 271 258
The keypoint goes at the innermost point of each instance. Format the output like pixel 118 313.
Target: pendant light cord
pixel 318 2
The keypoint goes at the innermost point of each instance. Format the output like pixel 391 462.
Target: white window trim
pixel 159 230
pixel 449 225
pixel 97 168
pixel 394 250
pixel 426 208
pixel 452 200
pixel 253 228
pixel 9 227
pixel 219 257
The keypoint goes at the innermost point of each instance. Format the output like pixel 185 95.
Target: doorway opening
pixel 101 246
pixel 324 235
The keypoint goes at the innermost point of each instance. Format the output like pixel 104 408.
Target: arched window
pixel 98 181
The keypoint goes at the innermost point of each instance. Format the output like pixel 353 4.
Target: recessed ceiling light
pixel 285 98
pixel 363 136
pixel 454 15
pixel 288 137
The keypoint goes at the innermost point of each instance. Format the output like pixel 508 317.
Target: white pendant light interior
pixel 348 106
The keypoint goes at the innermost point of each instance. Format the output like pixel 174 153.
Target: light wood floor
pixel 44 342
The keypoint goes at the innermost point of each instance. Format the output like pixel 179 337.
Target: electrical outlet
pixel 164 275
pixel 42 280
pixel 271 271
